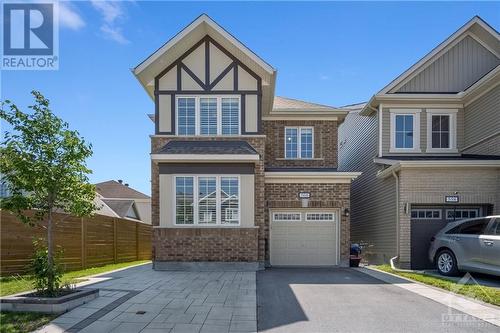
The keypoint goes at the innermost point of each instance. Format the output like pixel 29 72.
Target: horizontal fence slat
pixel 96 240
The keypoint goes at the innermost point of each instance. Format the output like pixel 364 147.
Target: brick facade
pixel 206 244
pixel 325 143
pixel 322 196
pixel 206 236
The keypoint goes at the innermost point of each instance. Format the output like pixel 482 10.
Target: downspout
pixel 395 175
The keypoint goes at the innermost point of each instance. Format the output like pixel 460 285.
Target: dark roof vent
pixel 126 184
pixel 120 181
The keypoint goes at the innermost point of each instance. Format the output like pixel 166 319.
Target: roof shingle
pixel 208 147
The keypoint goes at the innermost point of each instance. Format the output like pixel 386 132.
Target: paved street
pixel 345 300
pixel 142 300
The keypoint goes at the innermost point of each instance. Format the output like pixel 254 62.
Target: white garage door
pixel 304 238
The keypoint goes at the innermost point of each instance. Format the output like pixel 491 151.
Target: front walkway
pixel 139 299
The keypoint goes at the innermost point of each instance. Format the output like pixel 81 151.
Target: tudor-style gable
pixel 207 79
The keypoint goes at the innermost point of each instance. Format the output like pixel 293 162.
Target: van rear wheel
pixel 446 263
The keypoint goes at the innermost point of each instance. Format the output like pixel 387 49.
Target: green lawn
pixel 486 294
pixel 16 284
pixel 20 322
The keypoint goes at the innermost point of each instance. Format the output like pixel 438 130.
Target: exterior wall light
pixel 347 212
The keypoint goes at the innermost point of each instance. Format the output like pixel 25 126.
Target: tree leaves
pixel 43 163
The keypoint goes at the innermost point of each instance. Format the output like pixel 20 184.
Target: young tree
pixel 42 162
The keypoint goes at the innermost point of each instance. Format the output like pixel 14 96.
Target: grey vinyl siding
pixel 373 200
pixel 386 133
pixel 482 120
pixel 454 71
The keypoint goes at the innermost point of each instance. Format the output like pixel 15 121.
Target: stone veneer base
pixel 207 266
pixel 56 305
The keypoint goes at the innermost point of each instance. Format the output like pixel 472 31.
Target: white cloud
pixel 324 77
pixel 114 33
pixel 113 14
pixel 69 17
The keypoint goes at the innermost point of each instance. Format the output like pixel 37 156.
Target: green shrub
pixel 46 277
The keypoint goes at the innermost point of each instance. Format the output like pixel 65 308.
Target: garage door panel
pixel 304 243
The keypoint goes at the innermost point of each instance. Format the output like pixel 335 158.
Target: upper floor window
pixel 441 130
pixel 405 127
pixel 299 142
pixel 211 115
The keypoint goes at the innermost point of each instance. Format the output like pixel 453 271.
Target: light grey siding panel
pixel 454 71
pixel 482 120
pixel 373 200
pixel 386 133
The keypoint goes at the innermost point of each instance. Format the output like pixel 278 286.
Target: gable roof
pixel 175 47
pixel 476 22
pixel 291 104
pixel 121 207
pixel 115 190
pixel 480 32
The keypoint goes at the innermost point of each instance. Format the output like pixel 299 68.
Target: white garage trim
pixel 291 223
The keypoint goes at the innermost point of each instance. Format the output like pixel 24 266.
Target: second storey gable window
pixel 441 130
pixel 405 130
pixel 299 142
pixel 211 115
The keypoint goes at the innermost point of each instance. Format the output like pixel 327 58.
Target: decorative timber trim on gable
pixel 219 73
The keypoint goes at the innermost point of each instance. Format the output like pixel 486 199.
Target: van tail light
pixel 433 239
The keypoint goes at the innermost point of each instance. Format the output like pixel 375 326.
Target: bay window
pixel 299 142
pixel 208 115
pixel 207 200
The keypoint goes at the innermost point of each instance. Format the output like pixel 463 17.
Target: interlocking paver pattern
pixel 140 299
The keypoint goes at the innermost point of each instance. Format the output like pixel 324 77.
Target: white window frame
pixel 287 213
pixel 478 212
pixel 426 210
pixel 452 113
pixel 197 116
pixel 218 218
pixel 299 141
pixel 416 130
pixel 307 219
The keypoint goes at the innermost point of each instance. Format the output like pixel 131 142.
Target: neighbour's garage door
pixel 426 221
pixel 304 238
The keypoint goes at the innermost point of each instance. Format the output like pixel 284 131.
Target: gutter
pixel 396 177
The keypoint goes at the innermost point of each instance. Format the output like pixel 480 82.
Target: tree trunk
pixel 50 259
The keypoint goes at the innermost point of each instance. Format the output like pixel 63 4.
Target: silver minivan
pixel 468 245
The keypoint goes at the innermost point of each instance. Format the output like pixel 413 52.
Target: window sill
pixel 406 151
pixel 299 159
pixel 442 150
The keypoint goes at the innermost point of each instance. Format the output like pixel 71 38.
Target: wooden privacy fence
pixel 86 242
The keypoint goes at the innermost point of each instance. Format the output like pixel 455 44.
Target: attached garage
pixel 304 237
pixel 426 221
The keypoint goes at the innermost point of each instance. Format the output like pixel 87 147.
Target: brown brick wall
pixel 206 244
pixel 257 142
pixel 325 143
pixel 322 196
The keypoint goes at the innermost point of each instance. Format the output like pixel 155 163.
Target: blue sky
pixel 333 53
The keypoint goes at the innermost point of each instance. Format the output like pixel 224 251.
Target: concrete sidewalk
pixel 139 299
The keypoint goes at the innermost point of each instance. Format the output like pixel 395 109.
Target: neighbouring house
pixel 240 178
pixel 118 199
pixel 428 145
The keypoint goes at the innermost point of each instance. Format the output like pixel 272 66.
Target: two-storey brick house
pixel 240 178
pixel 428 145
